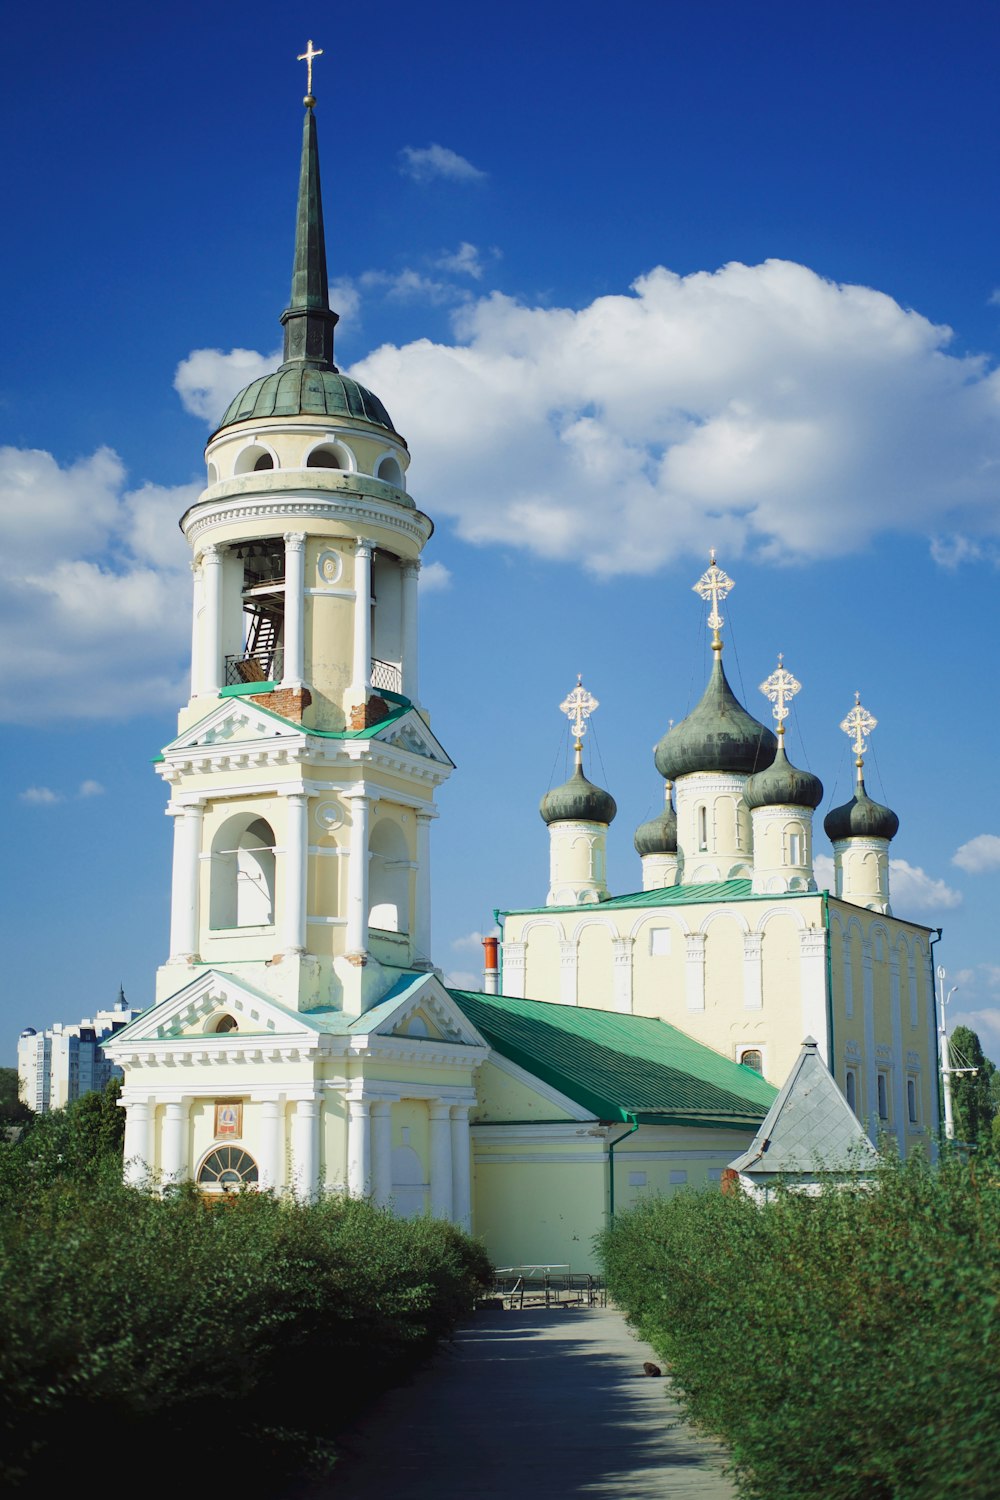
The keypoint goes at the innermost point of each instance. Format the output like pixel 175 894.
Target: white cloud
pixel 985 1022
pixel 791 415
pixel 345 299
pixel 209 379
pixel 411 286
pixel 994 298
pixel 912 889
pixel 434 577
pixel 462 979
pixel 90 789
pixel 474 940
pixel 91 615
pixel 978 855
pixel 423 163
pixel 465 261
pixel 824 872
pixel 40 796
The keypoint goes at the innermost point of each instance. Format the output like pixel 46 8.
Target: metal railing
pixel 263 665
pixel 386 675
pixel 548 1286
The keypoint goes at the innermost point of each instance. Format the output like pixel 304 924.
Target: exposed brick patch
pixel 364 715
pixel 357 959
pixel 290 703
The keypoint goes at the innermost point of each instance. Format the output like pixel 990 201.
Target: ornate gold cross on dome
pixel 857 724
pixel 307 57
pixel 715 585
pixel 578 707
pixel 779 686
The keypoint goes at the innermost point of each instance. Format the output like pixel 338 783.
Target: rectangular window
pixel 637 1179
pixel 659 940
pixel 678 1178
pixel 911 1100
pixel 795 848
pixel 851 1089
pixel 883 1097
pixel 703 829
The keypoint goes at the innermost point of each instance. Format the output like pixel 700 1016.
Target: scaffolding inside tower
pixel 263 613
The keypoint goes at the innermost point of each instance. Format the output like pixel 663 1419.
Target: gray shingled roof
pixel 810 1127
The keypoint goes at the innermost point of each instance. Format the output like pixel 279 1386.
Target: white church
pixel 302 1039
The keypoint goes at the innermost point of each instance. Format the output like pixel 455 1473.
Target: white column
pixel 694 971
pixel 296 872
pixel 567 972
pixel 173 1161
pixel 381 1136
pixel 621 973
pixel 295 599
pixel 270 1143
pixel 184 882
pixel 461 1168
pixel 514 960
pixel 812 982
pixel 422 893
pixel 362 668
pixel 441 1169
pixel 211 635
pixel 357 875
pixel 359 1148
pixel 305 1148
pixel 138 1140
pixel 409 656
pixel 753 987
pixel 196 607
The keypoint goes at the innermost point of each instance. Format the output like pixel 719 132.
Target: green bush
pixel 250 1327
pixel 846 1345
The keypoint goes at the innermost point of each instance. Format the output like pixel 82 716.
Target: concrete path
pixel 533 1405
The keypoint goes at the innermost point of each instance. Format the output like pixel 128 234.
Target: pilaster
pixel 694 971
pixel 295 563
pixel 441 1162
pixel 621 973
pixel 753 978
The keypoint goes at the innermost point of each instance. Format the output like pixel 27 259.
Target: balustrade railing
pixel 386 675
pixel 263 665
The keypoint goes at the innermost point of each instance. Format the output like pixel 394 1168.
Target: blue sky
pixel 719 275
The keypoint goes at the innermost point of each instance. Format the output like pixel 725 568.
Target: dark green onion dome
pixel 303 390
pixel 861 818
pixel 717 735
pixel 578 801
pixel 659 835
pixel 308 383
pixel 783 785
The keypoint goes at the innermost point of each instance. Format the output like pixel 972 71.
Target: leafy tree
pixel 973 1098
pixel 13 1110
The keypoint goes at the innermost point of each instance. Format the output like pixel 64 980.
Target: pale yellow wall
pixel 658 978
pixel 541 979
pixel 501 1097
pixel 543 1212
pixel 724 965
pixel 594 966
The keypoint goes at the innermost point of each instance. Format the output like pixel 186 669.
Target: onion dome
pixel 578 801
pixel 308 383
pixel 659 835
pixel 861 818
pixel 783 785
pixel 717 735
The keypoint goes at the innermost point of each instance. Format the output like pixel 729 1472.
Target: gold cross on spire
pixel 578 707
pixel 307 57
pixel 857 724
pixel 779 686
pixel 715 585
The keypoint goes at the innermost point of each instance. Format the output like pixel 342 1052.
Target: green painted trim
pixel 157 760
pixel 611 1163
pixel 242 689
pixel 672 895
pixel 828 968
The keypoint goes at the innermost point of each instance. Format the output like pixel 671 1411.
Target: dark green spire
pixel 307 320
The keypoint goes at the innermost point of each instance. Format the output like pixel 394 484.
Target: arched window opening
pixel 911 1100
pixel 225 1024
pixel 795 848
pixel 703 829
pixel 261 659
pixel 327 457
pixel 389 878
pixel 883 1096
pixel 390 471
pixel 751 1057
pixel 243 871
pixel 213 474
pixel 851 1089
pixel 253 459
pixel 227 1169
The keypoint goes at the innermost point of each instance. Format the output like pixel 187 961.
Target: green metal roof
pixel 619 1065
pixel 672 895
pixel 302 390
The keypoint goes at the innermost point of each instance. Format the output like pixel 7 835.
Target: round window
pixel 228 1168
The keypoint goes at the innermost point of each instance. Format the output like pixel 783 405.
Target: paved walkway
pixel 532 1405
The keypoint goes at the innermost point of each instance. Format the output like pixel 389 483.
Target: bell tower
pixel 304 771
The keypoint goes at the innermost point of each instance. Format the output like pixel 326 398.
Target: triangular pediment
pixel 410 732
pixel 233 722
pixel 419 1008
pixel 196 1010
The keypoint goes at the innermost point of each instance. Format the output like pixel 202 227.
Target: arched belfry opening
pixel 243 874
pixel 263 595
pixel 389 878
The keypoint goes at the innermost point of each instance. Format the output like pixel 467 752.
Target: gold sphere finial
pixel 309 101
